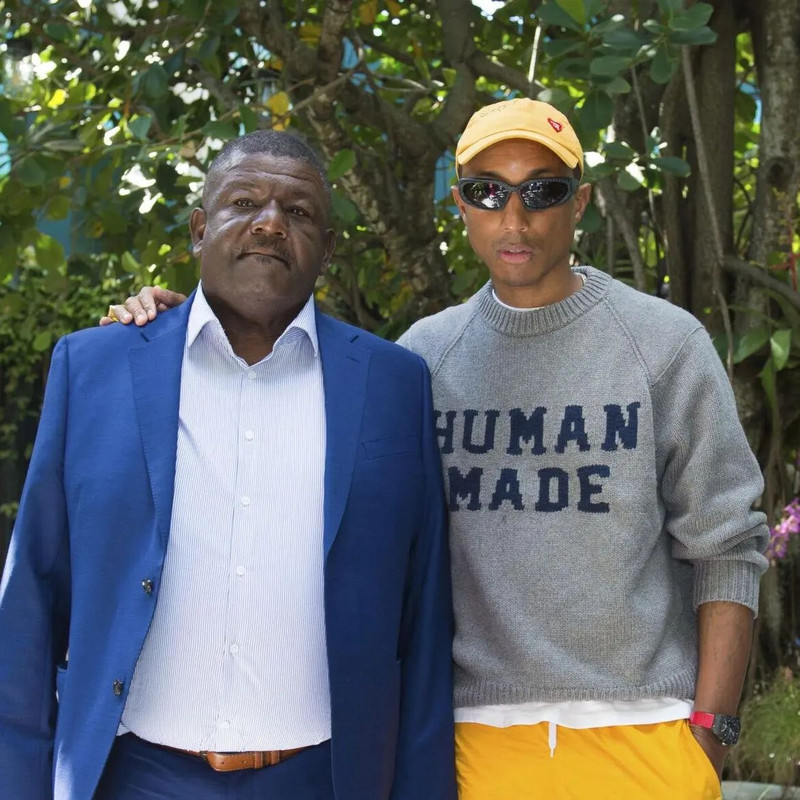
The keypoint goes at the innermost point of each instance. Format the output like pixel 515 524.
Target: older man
pixel 605 556
pixel 273 618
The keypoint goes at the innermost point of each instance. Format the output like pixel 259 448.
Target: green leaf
pixel 617 85
pixel 597 111
pixel 555 48
pixel 781 345
pixel 42 341
pixel 630 178
pixel 343 209
pixel 129 263
pixel 558 98
pixel 694 17
pixel 49 252
pixel 750 343
pixel 220 129
pixel 592 221
pixel 575 9
pixel 609 65
pixel 155 81
pixel 30 172
pixel 662 66
pixel 696 37
pixel 249 118
pixel 139 126
pixel 57 31
pixel 746 106
pixel 595 7
pixel 462 281
pixel 673 165
pixel 625 39
pixel 573 68
pixel 553 14
pixel 209 48
pixel 670 7
pixel 58 207
pixel 653 26
pixel 619 150
pixel 340 164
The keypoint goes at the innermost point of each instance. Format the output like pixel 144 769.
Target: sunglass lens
pixel 484 194
pixel 537 194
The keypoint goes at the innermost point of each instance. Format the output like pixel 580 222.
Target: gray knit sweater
pixel 600 489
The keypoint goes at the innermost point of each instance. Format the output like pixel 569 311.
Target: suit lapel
pixel 156 373
pixel 344 374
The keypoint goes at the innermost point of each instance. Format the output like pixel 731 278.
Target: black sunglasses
pixel 491 194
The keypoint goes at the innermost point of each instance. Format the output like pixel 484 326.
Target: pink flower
pixel 788 526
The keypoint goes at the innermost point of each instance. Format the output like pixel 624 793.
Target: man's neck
pixel 252 340
pixel 544 293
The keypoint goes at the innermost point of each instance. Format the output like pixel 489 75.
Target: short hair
pixel 268 142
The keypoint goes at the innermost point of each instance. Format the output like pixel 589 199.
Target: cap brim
pixel 468 153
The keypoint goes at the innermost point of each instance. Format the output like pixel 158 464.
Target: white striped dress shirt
pixel 235 658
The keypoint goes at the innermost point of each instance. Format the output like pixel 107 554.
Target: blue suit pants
pixel 139 770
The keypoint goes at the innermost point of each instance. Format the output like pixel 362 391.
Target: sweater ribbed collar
pixel 534 322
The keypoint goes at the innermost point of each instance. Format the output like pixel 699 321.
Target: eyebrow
pixel 534 173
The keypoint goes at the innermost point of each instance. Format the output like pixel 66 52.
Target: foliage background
pixel 687 110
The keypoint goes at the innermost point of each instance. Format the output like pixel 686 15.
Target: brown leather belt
pixel 230 762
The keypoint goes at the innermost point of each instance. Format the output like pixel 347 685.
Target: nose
pixel 515 215
pixel 269 219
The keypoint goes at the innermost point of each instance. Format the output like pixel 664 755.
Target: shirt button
pixel 224 723
pixel 245 501
pixel 251 376
pixel 240 570
pixel 249 436
pixel 234 648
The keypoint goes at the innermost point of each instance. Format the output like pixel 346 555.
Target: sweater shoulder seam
pixel 631 340
pixel 455 340
pixel 678 350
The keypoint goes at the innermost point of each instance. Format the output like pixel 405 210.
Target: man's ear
pixel 459 202
pixel 197 228
pixel 582 200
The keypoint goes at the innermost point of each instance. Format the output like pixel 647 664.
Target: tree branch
pixel 705 178
pixel 612 206
pixel 754 274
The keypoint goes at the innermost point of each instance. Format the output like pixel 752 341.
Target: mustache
pixel 505 244
pixel 272 247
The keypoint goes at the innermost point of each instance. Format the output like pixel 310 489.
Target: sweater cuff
pixel 727 581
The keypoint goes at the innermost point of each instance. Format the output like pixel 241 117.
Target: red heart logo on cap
pixel 557 126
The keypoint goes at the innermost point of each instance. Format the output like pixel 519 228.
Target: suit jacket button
pixel 147 585
pixel 117 687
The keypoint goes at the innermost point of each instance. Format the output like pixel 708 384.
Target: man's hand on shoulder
pixel 143 307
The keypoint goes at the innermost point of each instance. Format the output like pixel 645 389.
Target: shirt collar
pixel 201 315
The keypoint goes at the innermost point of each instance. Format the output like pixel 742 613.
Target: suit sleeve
pixel 425 753
pixel 34 605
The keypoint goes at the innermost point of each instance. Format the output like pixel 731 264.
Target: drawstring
pixel 551 738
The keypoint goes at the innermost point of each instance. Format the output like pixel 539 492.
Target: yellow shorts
pixel 624 762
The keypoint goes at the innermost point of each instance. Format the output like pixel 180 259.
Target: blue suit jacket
pixel 92 530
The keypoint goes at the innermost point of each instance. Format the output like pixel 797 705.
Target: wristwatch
pixel 724 727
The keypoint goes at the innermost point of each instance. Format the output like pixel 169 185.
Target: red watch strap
pixel 702 718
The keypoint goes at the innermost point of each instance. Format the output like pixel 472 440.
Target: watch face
pixel 726 729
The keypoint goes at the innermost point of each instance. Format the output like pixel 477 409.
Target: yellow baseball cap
pixel 520 118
